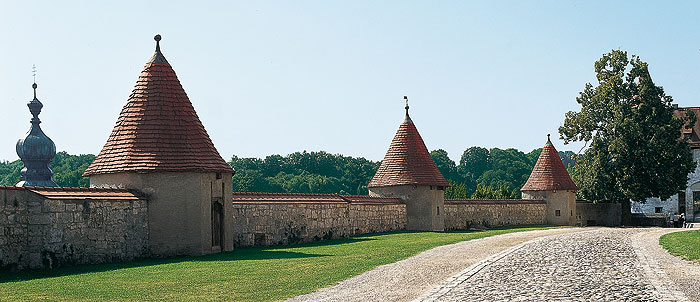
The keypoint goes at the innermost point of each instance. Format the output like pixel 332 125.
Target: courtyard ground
pixel 600 264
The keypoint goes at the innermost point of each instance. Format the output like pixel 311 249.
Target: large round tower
pixel 551 182
pixel 160 147
pixel 408 172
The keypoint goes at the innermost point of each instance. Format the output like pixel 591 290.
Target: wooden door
pixel 217 222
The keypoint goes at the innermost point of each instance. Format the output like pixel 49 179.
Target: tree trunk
pixel 626 212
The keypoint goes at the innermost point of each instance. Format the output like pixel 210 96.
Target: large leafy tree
pixel 633 138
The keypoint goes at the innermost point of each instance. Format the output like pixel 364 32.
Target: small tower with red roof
pixel 551 182
pixel 160 147
pixel 408 172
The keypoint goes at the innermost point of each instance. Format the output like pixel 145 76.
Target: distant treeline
pixel 480 173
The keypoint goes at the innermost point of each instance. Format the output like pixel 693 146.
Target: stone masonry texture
pixel 38 232
pixel 460 215
pixel 257 224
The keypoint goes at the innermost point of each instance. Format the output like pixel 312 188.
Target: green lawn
pixel 246 274
pixel 684 244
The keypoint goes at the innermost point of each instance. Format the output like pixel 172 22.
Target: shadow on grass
pixel 242 254
pixel 239 254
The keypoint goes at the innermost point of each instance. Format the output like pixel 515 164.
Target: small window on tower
pixel 438 211
pixel 557 213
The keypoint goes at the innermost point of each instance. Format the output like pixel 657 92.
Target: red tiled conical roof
pixel 549 172
pixel 407 162
pixel 158 129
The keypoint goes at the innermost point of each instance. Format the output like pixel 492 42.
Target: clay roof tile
pixel 407 162
pixel 158 129
pixel 549 172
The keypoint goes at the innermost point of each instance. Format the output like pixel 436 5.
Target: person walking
pixel 681 220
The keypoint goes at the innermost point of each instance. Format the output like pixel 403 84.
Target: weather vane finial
pixel 405 98
pixel 34 75
pixel 157 38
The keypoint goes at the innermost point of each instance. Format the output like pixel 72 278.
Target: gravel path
pixel 606 264
pixel 598 265
pixel 410 278
pixel 681 277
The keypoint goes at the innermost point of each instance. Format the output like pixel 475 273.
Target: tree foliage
pixel 484 173
pixel 490 192
pixel 633 137
pixel 303 172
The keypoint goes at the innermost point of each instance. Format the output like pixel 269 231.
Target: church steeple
pixel 36 150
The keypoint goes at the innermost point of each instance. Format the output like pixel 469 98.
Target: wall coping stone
pixel 494 201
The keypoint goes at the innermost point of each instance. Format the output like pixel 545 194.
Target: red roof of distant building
pixel 692 135
pixel 407 162
pixel 549 172
pixel 158 129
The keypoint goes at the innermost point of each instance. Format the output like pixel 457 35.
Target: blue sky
pixel 275 77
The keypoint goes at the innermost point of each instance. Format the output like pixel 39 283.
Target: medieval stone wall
pixel 37 232
pixel 264 223
pixel 462 214
pixel 603 214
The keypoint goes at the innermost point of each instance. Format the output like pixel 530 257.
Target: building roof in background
pixel 692 134
pixel 80 193
pixel 158 129
pixel 407 162
pixel 549 172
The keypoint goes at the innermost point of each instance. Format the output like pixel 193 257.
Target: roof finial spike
pixel 549 142
pixel 405 98
pixel 34 76
pixel 157 38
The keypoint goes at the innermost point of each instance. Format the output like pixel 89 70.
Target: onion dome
pixel 407 162
pixel 36 150
pixel 158 129
pixel 549 173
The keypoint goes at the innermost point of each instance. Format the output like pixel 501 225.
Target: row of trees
pixel 484 173
pixel 481 173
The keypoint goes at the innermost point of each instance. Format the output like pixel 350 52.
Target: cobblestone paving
pixel 598 265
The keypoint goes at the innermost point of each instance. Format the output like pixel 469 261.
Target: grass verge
pixel 684 244
pixel 246 274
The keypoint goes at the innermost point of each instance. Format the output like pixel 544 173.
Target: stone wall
pixel 275 223
pixel 603 214
pixel 462 214
pixel 39 232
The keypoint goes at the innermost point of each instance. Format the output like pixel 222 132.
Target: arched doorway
pixel 217 223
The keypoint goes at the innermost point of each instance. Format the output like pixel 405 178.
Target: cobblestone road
pixel 597 265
